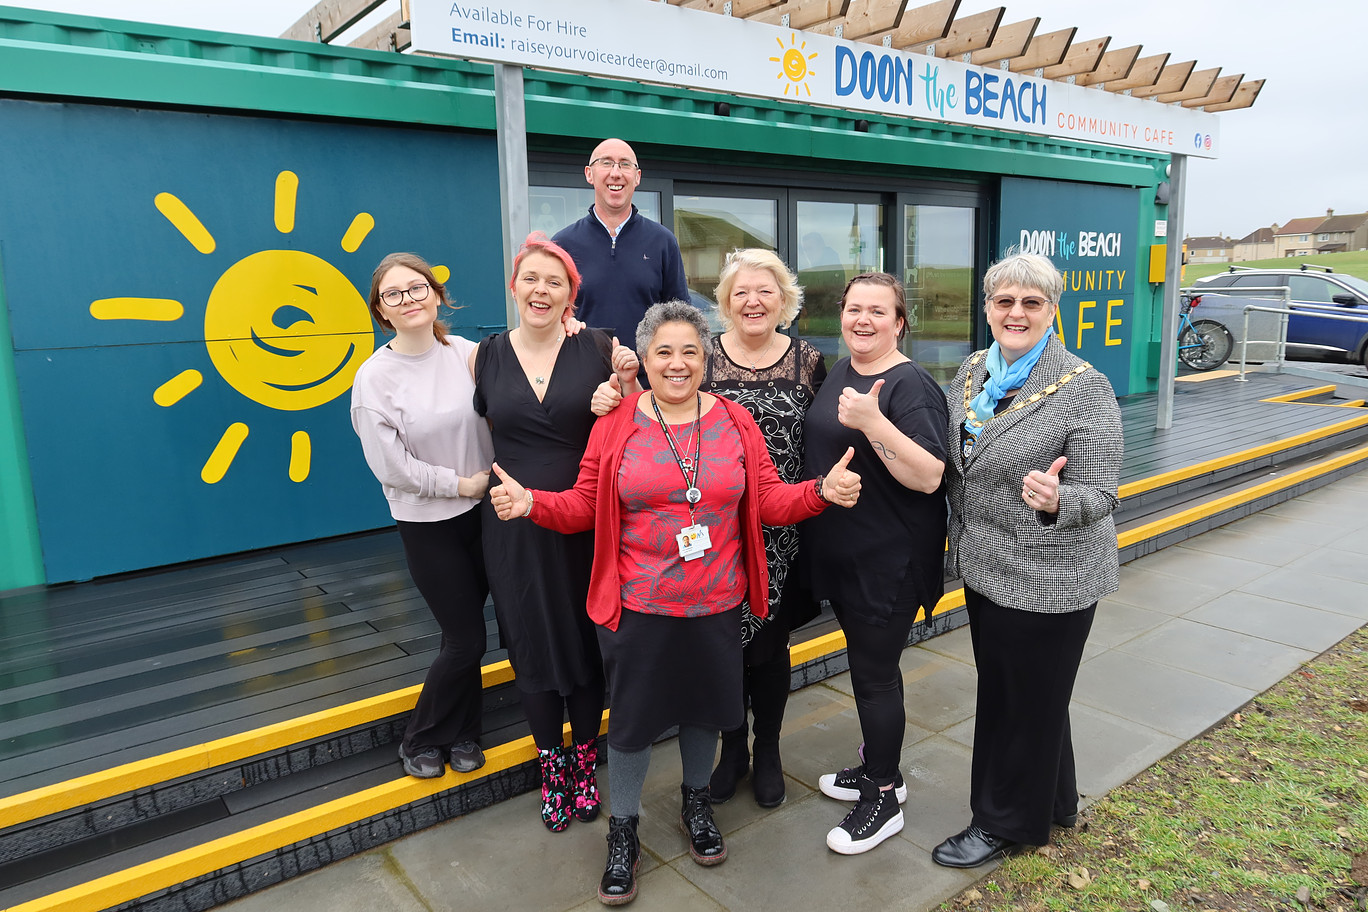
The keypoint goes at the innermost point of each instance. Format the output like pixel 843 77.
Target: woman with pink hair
pixel 534 384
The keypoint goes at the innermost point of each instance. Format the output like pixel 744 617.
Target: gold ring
pixel 1031 494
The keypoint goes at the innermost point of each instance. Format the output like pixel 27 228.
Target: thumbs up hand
pixel 607 396
pixel 508 497
pixel 1040 490
pixel 859 411
pixel 625 365
pixel 841 486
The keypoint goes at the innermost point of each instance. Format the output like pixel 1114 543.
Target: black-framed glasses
pixel 416 293
pixel 626 166
pixel 1032 304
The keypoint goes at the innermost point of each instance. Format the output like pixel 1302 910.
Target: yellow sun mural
pixel 285 328
pixel 793 64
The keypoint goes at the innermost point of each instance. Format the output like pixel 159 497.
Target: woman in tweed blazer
pixel 1035 438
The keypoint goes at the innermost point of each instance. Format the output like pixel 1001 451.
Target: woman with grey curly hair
pixel 675 484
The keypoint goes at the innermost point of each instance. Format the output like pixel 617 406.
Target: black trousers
pixel 446 561
pixel 873 652
pixel 1022 776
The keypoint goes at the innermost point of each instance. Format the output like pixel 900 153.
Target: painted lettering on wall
pixel 1065 245
pixel 1014 99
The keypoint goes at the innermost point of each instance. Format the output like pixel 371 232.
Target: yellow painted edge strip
pixel 1220 504
pixel 1302 394
pixel 128 777
pixel 1205 375
pixel 1130 489
pixel 179 867
pixel 1351 403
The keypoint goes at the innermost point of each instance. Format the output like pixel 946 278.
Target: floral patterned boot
pixel 585 781
pixel 555 790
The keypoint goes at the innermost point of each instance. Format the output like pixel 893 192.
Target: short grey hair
pixel 1024 270
pixel 657 315
pixel 758 258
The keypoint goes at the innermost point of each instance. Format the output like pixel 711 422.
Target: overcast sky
pixel 1297 152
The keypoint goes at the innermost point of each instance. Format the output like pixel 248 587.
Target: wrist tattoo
pixel 884 451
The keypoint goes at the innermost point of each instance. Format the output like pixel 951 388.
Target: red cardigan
pixel 591 505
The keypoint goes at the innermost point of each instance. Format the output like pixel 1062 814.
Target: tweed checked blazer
pixel 1016 556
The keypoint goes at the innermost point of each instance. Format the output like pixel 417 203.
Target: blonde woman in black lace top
pixel 775 376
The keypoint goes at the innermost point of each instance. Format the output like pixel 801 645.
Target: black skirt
pixel 665 671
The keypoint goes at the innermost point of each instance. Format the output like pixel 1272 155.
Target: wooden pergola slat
pixel 1197 85
pixel 385 35
pixel 330 18
pixel 1145 72
pixel 802 13
pixel 923 23
pixel 863 17
pixel 1114 65
pixel 1244 97
pixel 1043 51
pixel 1222 90
pixel 1173 79
pixel 1083 57
pixel 740 9
pixel 965 35
pixel 1010 41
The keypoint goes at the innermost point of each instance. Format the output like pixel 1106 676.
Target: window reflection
pixel 938 278
pixel 553 208
pixel 836 240
pixel 709 228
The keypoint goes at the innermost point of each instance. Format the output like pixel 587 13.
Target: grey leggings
pixel 627 769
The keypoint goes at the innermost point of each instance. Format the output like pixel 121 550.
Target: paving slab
pixel 1328 593
pixel 1217 570
pixel 1281 526
pixel 1217 652
pixel 1110 750
pixel 1346 565
pixel 1233 542
pixel 1180 703
pixel 363 883
pixel 1277 621
pixel 1161 592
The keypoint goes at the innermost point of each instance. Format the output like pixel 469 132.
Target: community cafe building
pixel 189 220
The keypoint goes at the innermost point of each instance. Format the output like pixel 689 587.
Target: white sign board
pixel 647 41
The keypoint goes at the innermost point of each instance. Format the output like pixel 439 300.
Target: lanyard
pixel 691 492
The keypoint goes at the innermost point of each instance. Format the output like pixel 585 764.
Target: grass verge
pixel 1267 810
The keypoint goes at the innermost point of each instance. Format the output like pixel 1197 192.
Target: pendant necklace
pixel 763 354
pixel 540 380
pixel 686 464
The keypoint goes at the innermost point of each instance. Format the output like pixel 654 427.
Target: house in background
pixel 1342 232
pixel 1257 245
pixel 1298 237
pixel 1209 249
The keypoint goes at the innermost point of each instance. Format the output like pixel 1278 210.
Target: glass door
pixel 938 272
pixel 709 227
pixel 837 238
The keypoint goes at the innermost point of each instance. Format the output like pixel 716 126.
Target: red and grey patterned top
pixel 655 579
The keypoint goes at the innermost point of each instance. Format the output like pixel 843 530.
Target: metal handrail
pixel 1282 340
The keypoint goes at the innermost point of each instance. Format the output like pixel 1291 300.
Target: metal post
pixel 513 185
pixel 1173 273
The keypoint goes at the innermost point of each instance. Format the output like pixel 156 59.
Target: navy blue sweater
pixel 623 276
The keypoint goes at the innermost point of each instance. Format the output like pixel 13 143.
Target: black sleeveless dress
pixel 539 578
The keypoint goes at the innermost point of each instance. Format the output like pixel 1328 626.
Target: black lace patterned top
pixel 777 397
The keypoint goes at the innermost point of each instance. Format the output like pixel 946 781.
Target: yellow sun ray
pixel 179 215
pixel 216 466
pixel 161 309
pixel 301 450
pixel 357 231
pixel 286 191
pixel 177 388
pixel 441 274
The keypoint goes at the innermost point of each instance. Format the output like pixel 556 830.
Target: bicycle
pixel 1203 345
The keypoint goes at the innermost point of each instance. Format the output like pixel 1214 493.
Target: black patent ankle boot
pixel 732 766
pixel 618 886
pixel 696 820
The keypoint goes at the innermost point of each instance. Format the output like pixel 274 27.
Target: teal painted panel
pixel 186 300
pixel 1089 232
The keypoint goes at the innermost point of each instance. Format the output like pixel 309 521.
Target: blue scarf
pixel 1001 378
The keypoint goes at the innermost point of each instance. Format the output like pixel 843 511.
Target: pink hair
pixel 538 242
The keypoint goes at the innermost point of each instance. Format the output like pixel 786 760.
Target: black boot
pixel 696 820
pixel 618 886
pixel 732 766
pixel 769 690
